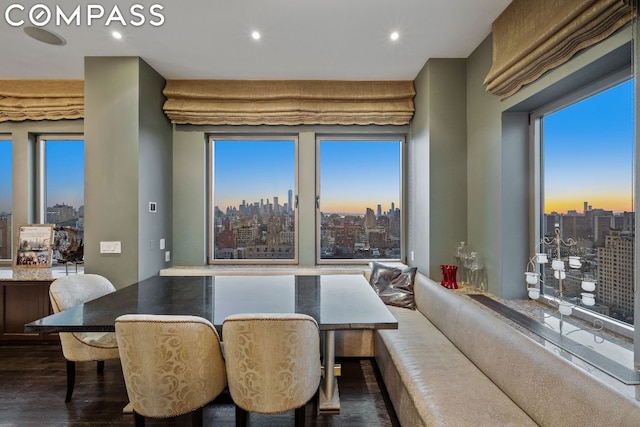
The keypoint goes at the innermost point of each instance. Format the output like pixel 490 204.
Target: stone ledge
pixel 265 270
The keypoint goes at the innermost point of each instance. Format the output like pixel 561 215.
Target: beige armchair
pixel 67 292
pixel 273 363
pixel 172 365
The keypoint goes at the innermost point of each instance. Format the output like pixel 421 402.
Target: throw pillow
pixel 394 285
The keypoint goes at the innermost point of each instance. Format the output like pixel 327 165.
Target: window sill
pixel 572 333
pixel 262 270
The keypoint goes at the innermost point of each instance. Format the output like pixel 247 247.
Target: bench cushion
pixel 546 386
pixel 431 382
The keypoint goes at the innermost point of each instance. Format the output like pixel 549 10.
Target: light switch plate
pixel 110 247
pixel 162 243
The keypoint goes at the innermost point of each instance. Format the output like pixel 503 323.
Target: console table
pixel 24 297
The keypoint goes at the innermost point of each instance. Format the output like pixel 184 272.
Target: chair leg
pixel 196 417
pixel 241 417
pixel 300 416
pixel 71 379
pixel 101 366
pixel 138 419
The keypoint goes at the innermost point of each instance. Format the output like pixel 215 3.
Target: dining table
pixel 336 301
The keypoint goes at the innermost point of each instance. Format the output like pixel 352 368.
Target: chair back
pixel 69 291
pixel 273 360
pixel 172 365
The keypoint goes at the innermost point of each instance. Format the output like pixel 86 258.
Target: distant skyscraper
pixel 379 211
pixel 615 271
pixel 290 200
pixel 369 218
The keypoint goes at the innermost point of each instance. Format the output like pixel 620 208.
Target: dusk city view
pixel 588 153
pixel 359 199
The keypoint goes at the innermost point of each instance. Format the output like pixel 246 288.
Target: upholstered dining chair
pixel 69 291
pixel 273 363
pixel 172 364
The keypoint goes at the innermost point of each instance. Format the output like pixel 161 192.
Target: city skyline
pixel 589 153
pixel 347 186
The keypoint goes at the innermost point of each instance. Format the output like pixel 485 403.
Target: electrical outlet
pixel 167 256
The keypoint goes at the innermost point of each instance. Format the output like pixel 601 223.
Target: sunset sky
pixel 588 153
pixel 355 175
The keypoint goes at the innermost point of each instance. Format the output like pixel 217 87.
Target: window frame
pixel 41 170
pixel 401 138
pixel 9 237
pixel 536 130
pixel 211 138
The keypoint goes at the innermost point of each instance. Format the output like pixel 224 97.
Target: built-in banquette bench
pixel 453 363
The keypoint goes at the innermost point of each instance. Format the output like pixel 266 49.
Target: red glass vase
pixel 449 276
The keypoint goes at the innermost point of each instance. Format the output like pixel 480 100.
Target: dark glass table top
pixel 335 301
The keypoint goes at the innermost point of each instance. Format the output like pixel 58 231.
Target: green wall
pixel 437 163
pixel 127 148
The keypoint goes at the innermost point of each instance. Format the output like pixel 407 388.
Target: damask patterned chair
pixel 172 365
pixel 273 363
pixel 67 292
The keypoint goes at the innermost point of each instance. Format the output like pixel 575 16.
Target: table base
pixel 329 406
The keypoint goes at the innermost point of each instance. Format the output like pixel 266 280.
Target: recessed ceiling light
pixel 255 35
pixel 116 35
pixel 394 36
pixel 44 36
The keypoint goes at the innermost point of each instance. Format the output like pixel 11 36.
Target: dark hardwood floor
pixel 33 381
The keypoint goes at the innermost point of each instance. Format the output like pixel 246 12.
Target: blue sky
pixel 253 170
pixel 355 174
pixel 589 151
pixel 5 175
pixel 65 173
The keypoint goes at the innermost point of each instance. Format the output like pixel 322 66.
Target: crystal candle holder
pixel 531 277
pixel 565 308
pixel 574 262
pixel 588 285
pixel 541 258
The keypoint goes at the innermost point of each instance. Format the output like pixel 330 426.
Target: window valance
pixel 295 102
pixel 532 37
pixel 41 100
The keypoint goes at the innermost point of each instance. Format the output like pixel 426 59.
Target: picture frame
pixel 34 245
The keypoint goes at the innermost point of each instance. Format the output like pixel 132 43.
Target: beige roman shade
pixel 41 100
pixel 532 37
pixel 295 102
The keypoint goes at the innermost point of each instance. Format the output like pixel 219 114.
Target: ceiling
pixel 211 39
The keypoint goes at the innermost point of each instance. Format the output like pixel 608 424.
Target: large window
pixel 587 182
pixel 61 193
pixel 253 194
pixel 360 198
pixel 6 182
